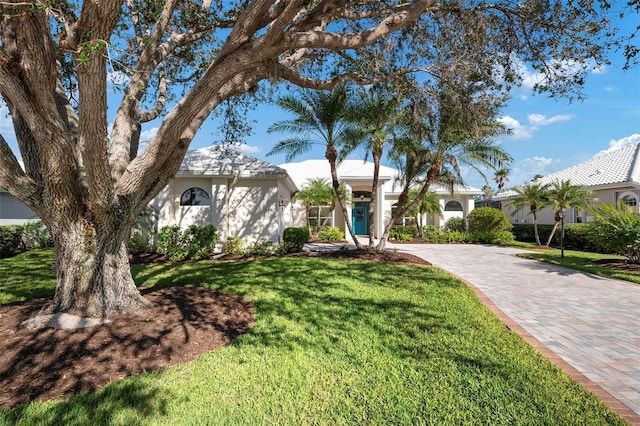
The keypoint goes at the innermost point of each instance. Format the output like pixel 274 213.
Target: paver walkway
pixel 593 323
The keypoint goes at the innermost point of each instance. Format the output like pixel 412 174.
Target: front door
pixel 360 219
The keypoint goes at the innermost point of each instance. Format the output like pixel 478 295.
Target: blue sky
pixel 548 134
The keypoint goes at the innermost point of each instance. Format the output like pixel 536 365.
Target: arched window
pixel 195 197
pixel 630 200
pixel 453 206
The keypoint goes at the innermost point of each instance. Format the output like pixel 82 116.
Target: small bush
pixel 454 224
pixel 195 242
pixel 295 238
pixel 617 229
pixel 403 237
pixel 36 235
pixel 138 243
pixel 433 234
pixel 488 219
pixel 10 240
pixel 502 237
pixel 330 233
pixel 262 247
pixel 458 237
pixel 235 246
pixel 399 230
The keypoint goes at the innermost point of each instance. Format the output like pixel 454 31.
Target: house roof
pixel 220 161
pixel 612 168
pixel 226 162
pixel 352 170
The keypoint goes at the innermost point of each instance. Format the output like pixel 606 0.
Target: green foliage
pixel 488 237
pixel 195 242
pixel 143 232
pixel 36 235
pixel 138 242
pixel 235 246
pixel 433 234
pixel 617 229
pixel 10 240
pixel 331 233
pixel 455 224
pixel 488 219
pixel 398 230
pixel 458 237
pixel 262 247
pixel 295 238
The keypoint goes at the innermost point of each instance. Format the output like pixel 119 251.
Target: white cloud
pixel 542 120
pixel 524 170
pixel 521 131
pixel 248 149
pixel 148 135
pixel 615 144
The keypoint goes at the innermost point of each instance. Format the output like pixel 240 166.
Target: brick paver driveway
pixel 593 323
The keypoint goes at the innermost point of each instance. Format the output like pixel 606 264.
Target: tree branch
pixel 14 179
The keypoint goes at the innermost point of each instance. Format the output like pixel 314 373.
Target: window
pixel 404 220
pixel 453 206
pixel 326 216
pixel 630 201
pixel 195 197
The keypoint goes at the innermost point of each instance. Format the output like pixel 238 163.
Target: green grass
pixel 582 261
pixel 335 343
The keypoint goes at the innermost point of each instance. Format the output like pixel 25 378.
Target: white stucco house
pixel 611 176
pixel 242 196
pixel 357 176
pixel 251 199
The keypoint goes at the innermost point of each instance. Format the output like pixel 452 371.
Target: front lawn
pixel 334 343
pixel 584 261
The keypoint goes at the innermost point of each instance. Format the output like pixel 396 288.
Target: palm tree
pixel 487 191
pixel 455 131
pixel 319 119
pixel 501 176
pixel 535 196
pixel 376 115
pixel 430 204
pixel 315 192
pixel 563 195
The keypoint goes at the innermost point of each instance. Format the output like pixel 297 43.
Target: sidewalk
pixel 592 323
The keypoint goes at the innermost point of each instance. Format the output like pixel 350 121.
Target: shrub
pixel 455 224
pixel 235 246
pixel 434 234
pixel 143 231
pixel 403 237
pixel 36 235
pixel 458 237
pixel 487 237
pixel 617 229
pixel 398 230
pixel 488 219
pixel 195 242
pixel 262 247
pixel 138 242
pixel 10 240
pixel 330 233
pixel 295 238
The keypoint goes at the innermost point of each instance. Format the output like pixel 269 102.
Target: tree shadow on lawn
pixel 182 323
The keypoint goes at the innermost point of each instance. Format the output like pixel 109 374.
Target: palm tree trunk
pixel 377 155
pixel 535 229
pixel 332 155
pixel 553 231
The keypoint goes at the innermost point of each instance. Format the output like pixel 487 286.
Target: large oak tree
pixel 184 60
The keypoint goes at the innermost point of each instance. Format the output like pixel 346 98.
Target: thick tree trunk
pixel 94 276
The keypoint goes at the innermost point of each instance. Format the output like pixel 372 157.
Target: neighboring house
pixel 242 196
pixel 612 176
pixel 357 176
pixel 12 211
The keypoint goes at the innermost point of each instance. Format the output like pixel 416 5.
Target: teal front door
pixel 360 219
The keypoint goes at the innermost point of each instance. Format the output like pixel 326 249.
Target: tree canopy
pixel 181 61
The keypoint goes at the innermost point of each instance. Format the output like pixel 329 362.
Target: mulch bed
pixel 619 264
pixel 181 324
